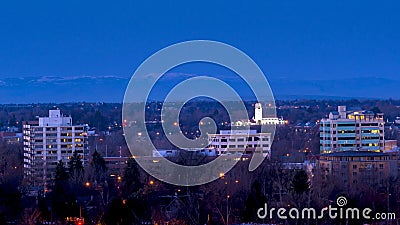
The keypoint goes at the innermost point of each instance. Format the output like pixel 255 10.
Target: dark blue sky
pixel 292 39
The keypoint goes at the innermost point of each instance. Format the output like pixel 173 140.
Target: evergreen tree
pixel 98 166
pixel 254 201
pixel 61 173
pixel 60 194
pixel 75 168
pixel 131 178
pixel 300 183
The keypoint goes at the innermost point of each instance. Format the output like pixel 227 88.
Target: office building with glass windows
pixel 352 131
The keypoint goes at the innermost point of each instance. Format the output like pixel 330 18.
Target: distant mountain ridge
pixel 41 89
pixel 360 87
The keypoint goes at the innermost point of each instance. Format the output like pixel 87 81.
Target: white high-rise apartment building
pixel 48 141
pixel 233 142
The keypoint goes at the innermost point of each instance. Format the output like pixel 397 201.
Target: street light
pixel 227 209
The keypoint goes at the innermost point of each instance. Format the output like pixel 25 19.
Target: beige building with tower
pixel 259 119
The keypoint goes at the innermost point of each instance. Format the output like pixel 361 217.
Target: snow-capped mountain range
pixel 37 89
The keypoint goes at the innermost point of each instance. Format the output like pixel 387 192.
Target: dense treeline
pixel 104 115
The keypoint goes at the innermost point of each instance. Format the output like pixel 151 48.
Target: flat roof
pixel 356 154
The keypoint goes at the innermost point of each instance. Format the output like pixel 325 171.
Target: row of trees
pixel 100 115
pixel 72 189
pixel 233 198
pixel 104 115
pixel 136 197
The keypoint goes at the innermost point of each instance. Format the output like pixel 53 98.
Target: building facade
pixel 48 141
pixel 359 167
pixel 240 142
pixel 352 131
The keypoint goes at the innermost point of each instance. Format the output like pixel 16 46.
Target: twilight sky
pixel 301 40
